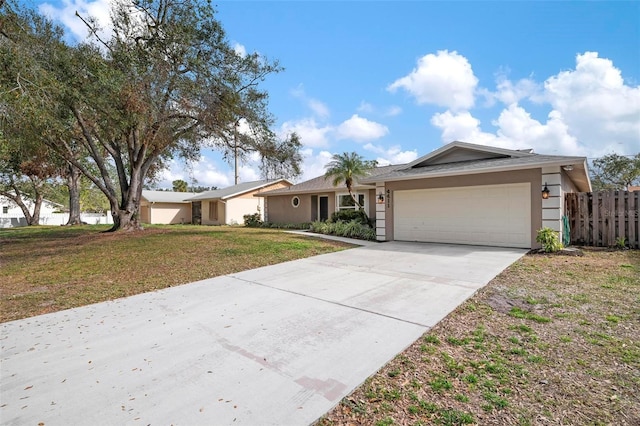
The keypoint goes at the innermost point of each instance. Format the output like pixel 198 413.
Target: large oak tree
pixel 165 82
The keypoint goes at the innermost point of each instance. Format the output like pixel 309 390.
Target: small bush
pixel 350 215
pixel 352 229
pixel 305 225
pixel 252 220
pixel 549 239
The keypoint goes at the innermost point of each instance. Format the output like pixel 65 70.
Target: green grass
pixel 520 313
pixel 45 269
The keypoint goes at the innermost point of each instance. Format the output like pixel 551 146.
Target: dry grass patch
pixel 47 269
pixel 551 340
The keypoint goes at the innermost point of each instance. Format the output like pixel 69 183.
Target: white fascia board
pixel 477 171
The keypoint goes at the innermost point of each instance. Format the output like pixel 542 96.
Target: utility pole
pixel 235 149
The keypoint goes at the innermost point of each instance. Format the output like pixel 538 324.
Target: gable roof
pixel 457 151
pixel 235 190
pixel 166 196
pixel 321 184
pixel 28 200
pixel 460 158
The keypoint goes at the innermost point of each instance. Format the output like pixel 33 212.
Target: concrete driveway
pixel 279 345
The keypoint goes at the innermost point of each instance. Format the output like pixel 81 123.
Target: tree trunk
pixel 25 210
pixel 126 216
pixel 124 220
pixel 35 217
pixel 73 182
pixel 360 208
pixel 31 218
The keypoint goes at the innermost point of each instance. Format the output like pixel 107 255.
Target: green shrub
pixel 549 239
pixel 304 225
pixel 252 220
pixel 352 229
pixel 350 215
pixel 621 242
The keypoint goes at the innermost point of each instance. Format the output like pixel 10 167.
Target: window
pixel 5 209
pixel 345 202
pixel 295 202
pixel 213 210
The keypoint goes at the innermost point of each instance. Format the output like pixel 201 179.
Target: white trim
pixel 365 204
pixel 471 147
pixel 474 172
pixel 294 205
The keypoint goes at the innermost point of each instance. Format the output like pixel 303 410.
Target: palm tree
pixel 345 168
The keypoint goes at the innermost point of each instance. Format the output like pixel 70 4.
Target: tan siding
pixel 532 176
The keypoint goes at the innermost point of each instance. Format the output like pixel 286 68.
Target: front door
pixel 323 207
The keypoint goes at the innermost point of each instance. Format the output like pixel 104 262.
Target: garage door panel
pixel 482 215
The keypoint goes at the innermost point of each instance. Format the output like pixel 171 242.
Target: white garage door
pixel 494 215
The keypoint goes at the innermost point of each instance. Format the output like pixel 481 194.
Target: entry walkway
pixel 278 345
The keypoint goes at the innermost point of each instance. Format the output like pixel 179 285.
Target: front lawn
pixel 552 340
pixel 47 269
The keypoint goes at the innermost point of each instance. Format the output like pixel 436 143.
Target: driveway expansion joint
pixel 333 302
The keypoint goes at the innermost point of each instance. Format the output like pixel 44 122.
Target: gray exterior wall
pixel 279 208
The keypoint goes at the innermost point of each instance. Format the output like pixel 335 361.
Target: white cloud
pixel 508 92
pixel 593 112
pixel 313 164
pixel 365 107
pixel 319 108
pixel 393 110
pixel 392 155
pixel 445 79
pixel 516 130
pixel 360 129
pixel 600 109
pixel 201 173
pixel 65 13
pixel 240 49
pixel 311 133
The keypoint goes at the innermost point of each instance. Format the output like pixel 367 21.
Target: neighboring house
pixel 11 214
pixel 229 205
pixel 165 207
pixel 461 193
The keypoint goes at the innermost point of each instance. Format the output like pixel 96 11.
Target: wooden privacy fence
pixel 604 218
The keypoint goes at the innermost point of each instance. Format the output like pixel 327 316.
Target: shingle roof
pixel 476 166
pixel 321 184
pixel 241 188
pixel 166 196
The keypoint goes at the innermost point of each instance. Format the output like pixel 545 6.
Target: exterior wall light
pixel 545 192
pixel 380 198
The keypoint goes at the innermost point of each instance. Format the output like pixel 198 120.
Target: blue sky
pixel 396 80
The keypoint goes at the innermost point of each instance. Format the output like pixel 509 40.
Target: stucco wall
pixel 280 210
pixel 532 176
pixel 169 213
pixel 231 211
pixel 207 207
pixel 238 207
